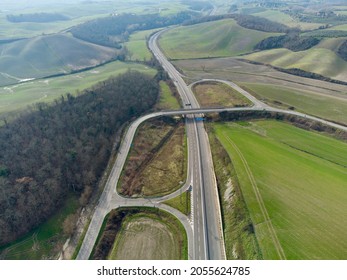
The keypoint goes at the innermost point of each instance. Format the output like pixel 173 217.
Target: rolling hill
pixel 211 39
pixel 48 55
pixel 321 59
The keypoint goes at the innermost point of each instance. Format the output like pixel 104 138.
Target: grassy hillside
pixel 294 184
pixel 47 55
pixel 137 45
pixel 332 44
pixel 318 60
pixel 211 39
pixel 286 19
pixel 78 11
pixel 342 27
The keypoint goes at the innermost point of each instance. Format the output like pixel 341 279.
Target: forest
pixel 37 17
pixel 63 148
pixel 342 50
pixel 111 31
pixel 292 41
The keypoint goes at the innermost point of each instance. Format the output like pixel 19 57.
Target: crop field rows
pixel 306 212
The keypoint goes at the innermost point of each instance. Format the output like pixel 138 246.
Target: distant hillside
pixel 292 41
pixel 113 30
pixel 321 59
pixel 38 17
pixel 48 55
pixel 246 21
pixel 211 39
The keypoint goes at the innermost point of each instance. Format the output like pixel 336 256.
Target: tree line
pixel 113 30
pixel 298 121
pixel 37 17
pixel 63 148
pixel 292 41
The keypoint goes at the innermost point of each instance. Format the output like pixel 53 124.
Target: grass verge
pixel 181 203
pixel 238 229
pixel 167 100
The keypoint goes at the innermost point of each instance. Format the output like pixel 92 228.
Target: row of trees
pixel 295 120
pixel 342 50
pixel 37 17
pixel 292 41
pixel 64 148
pixel 111 31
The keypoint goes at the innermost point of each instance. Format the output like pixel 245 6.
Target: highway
pixel 203 227
pixel 207 225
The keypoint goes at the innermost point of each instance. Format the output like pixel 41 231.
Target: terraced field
pixel 295 215
pixel 211 39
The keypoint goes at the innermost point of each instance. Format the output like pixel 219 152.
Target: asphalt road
pixel 204 231
pixel 110 199
pixel 207 225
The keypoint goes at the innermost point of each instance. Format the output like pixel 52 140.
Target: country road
pixel 203 227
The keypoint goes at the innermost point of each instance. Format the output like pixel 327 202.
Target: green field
pixel 332 44
pixel 211 39
pixel 18 97
pixel 318 60
pixel 322 105
pixel 167 101
pixel 294 184
pixel 137 45
pixel 239 237
pixel 48 55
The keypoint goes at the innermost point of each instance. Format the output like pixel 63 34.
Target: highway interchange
pixel 204 226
